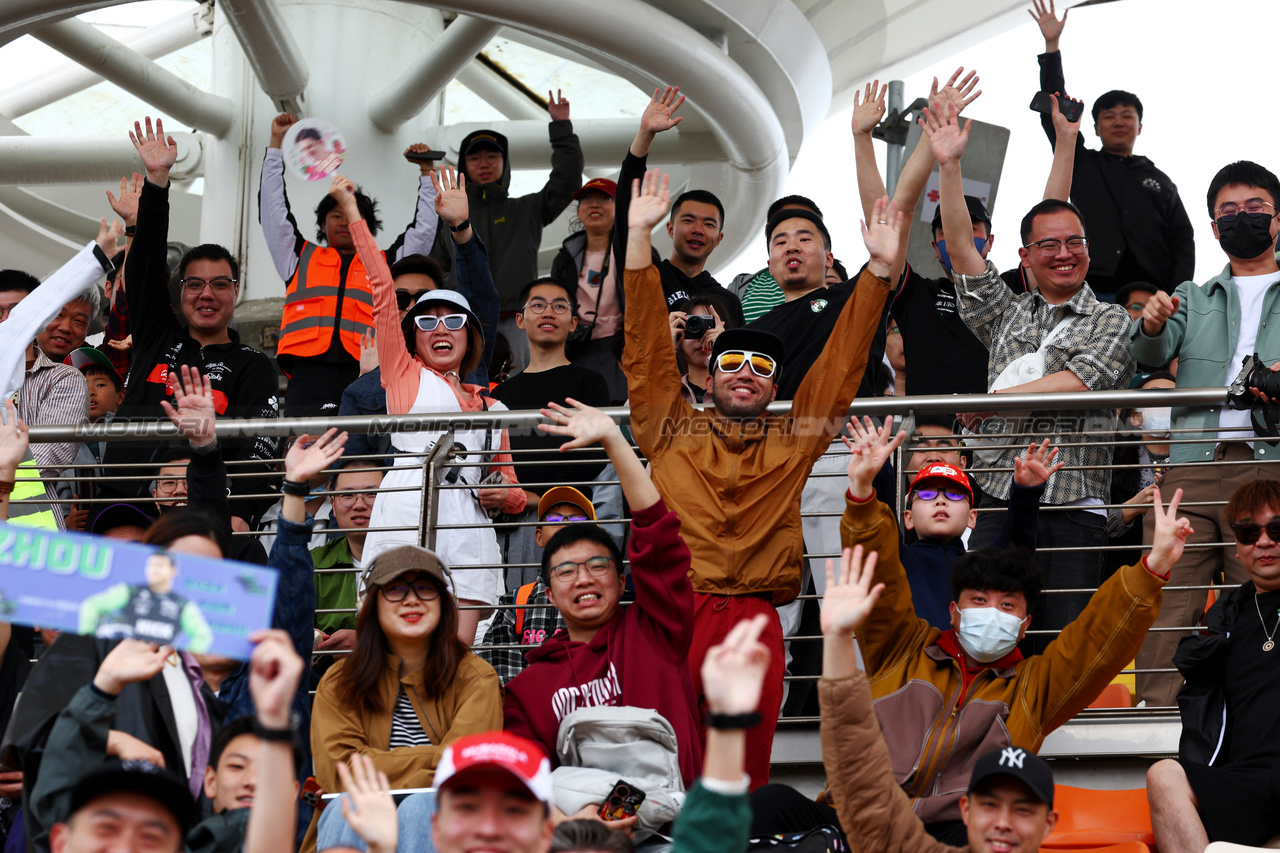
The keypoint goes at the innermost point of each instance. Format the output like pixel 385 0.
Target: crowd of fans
pixel 511 686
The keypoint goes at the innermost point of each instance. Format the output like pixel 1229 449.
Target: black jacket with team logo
pixel 804 325
pixel 245 384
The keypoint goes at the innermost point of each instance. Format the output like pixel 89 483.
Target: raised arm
pixel 1064 153
pixel 475 280
pixel 585 426
pixel 1051 76
pixel 284 240
pixel 146 278
pixel 942 125
pixel 868 110
pixel 13 449
pixel 567 161
pixel 420 234
pixel 658 117
pixel 275 671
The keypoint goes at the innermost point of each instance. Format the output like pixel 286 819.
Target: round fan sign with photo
pixel 313 149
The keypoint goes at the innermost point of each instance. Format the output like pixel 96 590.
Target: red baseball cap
pixel 597 185
pixel 943 471
pixel 522 759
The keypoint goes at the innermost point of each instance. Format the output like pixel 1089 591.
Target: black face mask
pixel 1246 236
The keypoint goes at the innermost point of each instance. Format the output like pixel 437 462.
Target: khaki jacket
pixel 937 723
pixel 736 487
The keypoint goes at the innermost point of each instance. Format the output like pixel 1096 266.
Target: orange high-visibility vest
pixel 311 304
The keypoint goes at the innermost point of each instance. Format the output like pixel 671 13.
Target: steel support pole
pixel 893 163
pixel 488 85
pixel 601 140
pixel 31 160
pixel 138 75
pixel 272 53
pixel 453 51
pixel 432 475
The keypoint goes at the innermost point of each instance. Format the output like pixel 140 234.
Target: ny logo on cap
pixel 1012 757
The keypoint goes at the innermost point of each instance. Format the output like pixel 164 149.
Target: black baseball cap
pixel 977 212
pixel 138 777
pixel 751 340
pixel 795 213
pixel 120 515
pixel 1022 764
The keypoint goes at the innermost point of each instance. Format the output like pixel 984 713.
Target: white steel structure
pixel 759 75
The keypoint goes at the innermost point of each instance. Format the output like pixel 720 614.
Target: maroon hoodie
pixel 639 658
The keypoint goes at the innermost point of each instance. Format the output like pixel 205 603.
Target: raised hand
pixel 368 807
pixel 1170 535
pixel 1160 307
pixel 1050 27
pixel 306 458
pixel 946 137
pixel 108 238
pixel 1037 466
pixel 157 151
pixel 1137 505
pixel 13 440
pixel 868 107
pixel 849 596
pixel 125 344
pixel 126 206
pixel 194 415
pixel 960 93
pixel 426 167
pixel 650 201
pixel 368 351
pixel 343 191
pixel 659 115
pixel 129 662
pixel 274 672
pixel 1060 124
pixel 733 672
pixel 676 320
pixel 869 450
pixel 451 195
pixel 558 107
pixel 279 126
pixel 882 236
pixel 583 424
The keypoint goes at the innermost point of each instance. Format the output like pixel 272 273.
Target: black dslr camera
pixel 697 325
pixel 1253 374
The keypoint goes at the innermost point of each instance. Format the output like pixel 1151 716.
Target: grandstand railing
pixel 443 454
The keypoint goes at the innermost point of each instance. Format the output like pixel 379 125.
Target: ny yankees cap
pixel 1023 765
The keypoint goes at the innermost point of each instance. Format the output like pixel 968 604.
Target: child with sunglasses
pixel 423 357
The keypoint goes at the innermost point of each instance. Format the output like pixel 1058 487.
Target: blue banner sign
pixel 113 589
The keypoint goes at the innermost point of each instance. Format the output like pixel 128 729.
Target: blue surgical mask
pixel 979 243
pixel 988 633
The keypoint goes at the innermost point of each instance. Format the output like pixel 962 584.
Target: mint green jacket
pixel 1203 333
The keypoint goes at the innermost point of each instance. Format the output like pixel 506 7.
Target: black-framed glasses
pixel 452 322
pixel 404 299
pixel 951 494
pixel 553 518
pixel 567 572
pixel 424 589
pixel 221 284
pixel 349 498
pixel 1254 207
pixel 168 487
pixel 1249 532
pixel 540 306
pixel 1049 248
pixel 731 361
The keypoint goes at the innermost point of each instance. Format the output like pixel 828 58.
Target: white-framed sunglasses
pixel 452 322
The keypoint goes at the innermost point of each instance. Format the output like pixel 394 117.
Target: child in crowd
pixel 940 507
pixel 106 393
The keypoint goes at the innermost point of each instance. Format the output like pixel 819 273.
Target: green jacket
pixel 1203 333
pixel 79 741
pixel 335 591
pixel 712 823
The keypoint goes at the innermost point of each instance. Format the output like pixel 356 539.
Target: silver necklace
pixel 1270 643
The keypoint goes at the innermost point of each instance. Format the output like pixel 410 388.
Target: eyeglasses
pixel 168 487
pixel 1254 207
pixel 595 198
pixel 552 518
pixel 221 284
pixel 932 494
pixel 1049 248
pixel 568 572
pixel 425 590
pixel 452 322
pixel 733 360
pixel 1249 532
pixel 1137 306
pixel 350 498
pixel 540 306
pixel 404 299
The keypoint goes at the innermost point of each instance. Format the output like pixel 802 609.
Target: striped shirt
pixel 53 394
pixel 761 296
pixel 406 729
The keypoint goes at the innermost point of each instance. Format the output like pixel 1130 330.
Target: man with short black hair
pixel 493 791
pixel 1134 297
pixel 356 487
pixel 66 332
pixel 1140 229
pixel 1211 329
pixel 696 221
pixel 759 293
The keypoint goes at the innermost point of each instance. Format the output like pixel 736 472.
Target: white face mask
pixel 1156 422
pixel 988 633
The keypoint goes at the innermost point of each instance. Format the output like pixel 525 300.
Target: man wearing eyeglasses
pixel 1221 787
pixel 734 473
pixel 356 487
pixel 244 382
pixel 1211 328
pixel 1069 341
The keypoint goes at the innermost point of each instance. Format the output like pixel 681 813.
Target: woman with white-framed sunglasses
pixel 423 358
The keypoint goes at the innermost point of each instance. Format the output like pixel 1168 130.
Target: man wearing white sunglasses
pixel 734 472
